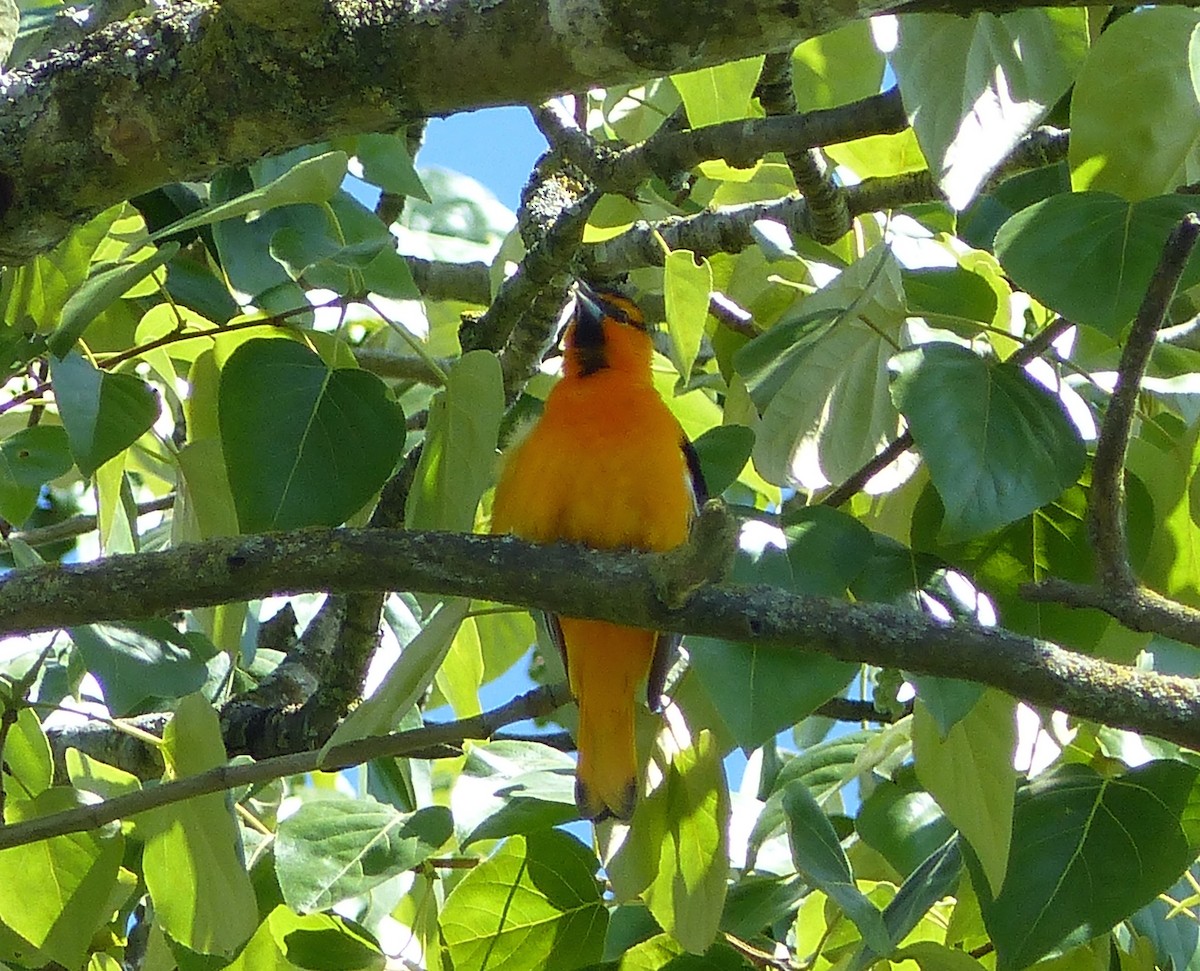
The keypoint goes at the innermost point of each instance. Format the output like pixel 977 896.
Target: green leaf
pixel 405 682
pixel 688 894
pixel 535 903
pixel 103 413
pixel 509 788
pixel 105 284
pixel 332 849
pixel 759 691
pixel 29 459
pixel 974 86
pixel 28 764
pixel 837 68
pixel 137 663
pixel 459 457
pixel 722 93
pixel 832 413
pixel 65 883
pixel 1074 835
pixel 997 445
pixel 199 885
pixel 946 701
pixel 818 856
pixel 1135 120
pixel 931 956
pixel 663 953
pixel 750 692
pixel 970 773
pixel 949 292
pixel 902 822
pixel 934 879
pixel 386 163
pixel 686 288
pixel 312 180
pixel 321 942
pixel 91 775
pixel 305 444
pixel 724 451
pixel 1116 246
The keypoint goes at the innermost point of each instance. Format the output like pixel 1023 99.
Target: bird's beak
pixel 586 299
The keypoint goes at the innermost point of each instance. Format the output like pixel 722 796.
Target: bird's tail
pixel 605 663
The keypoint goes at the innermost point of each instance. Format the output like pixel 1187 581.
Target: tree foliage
pixel 929 301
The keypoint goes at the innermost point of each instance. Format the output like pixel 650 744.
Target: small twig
pixel 1106 523
pixel 78 525
pixel 430 740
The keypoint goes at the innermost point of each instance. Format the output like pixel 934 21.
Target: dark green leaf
pixel 934 879
pixel 949 292
pixel 998 446
pixel 332 849
pixel 1074 835
pixel 1114 246
pixel 902 822
pixel 724 451
pixel 818 856
pixel 103 413
pixel 28 460
pixel 305 444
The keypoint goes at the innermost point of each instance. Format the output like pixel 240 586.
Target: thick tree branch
pixel 195 86
pixel 614 586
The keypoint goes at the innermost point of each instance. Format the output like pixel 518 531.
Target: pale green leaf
pixel 686 288
pixel 688 894
pixel 722 93
pixel 405 682
pixel 105 284
pixel 970 773
pixel 65 882
pixel 28 764
pixel 1135 111
pixel 534 904
pixel 832 412
pixel 974 86
pixel 333 849
pixel 193 869
pixel 458 459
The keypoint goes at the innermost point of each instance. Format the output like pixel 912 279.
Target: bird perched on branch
pixel 607 465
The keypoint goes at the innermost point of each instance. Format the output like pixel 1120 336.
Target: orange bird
pixel 606 465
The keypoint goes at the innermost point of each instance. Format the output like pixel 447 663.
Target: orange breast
pixel 604 466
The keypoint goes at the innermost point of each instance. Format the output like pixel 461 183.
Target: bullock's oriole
pixel 606 465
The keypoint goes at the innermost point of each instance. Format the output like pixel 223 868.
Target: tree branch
pixel 1119 593
pixel 196 86
pixel 614 586
pixel 432 741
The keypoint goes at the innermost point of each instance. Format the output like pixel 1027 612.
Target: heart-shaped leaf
pixel 305 444
pixel 1113 246
pixel 103 413
pixel 997 445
